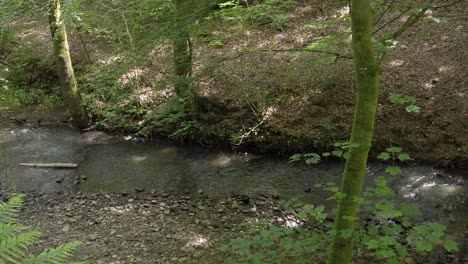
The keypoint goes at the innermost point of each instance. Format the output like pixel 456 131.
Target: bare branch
pixel 12 66
pixel 384 12
pixel 390 21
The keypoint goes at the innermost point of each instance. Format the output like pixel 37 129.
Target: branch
pixel 384 12
pixel 390 21
pixel 447 5
pixel 411 21
pixel 12 66
pixel 254 51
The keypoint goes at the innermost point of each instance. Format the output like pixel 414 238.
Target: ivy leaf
pixel 450 246
pixel 394 150
pixel 404 156
pixel 326 154
pixel 384 156
pixel 393 170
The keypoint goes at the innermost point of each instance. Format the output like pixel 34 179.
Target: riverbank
pixel 164 228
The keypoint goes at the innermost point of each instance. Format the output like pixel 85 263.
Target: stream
pixel 123 165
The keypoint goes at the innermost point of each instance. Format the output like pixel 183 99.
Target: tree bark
pixel 366 67
pixel 182 51
pixel 71 94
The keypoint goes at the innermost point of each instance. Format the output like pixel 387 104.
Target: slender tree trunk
pixel 182 49
pixel 72 96
pixel 341 249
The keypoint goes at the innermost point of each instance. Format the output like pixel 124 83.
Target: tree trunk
pixel 72 96
pixel 341 249
pixel 182 49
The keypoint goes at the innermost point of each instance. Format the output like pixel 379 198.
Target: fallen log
pixel 51 165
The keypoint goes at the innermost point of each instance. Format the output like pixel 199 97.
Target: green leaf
pixel 409 99
pixel 295 157
pixel 326 154
pixel 450 246
pixel 372 244
pixel 338 153
pixel 412 108
pixel 410 210
pixel 347 155
pixel 423 246
pixel 313 160
pixel 395 99
pixel 393 170
pixel 404 157
pixel 302 215
pixel 394 149
pixel 384 156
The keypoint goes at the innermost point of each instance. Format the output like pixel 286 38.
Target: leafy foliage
pixel 388 232
pixel 408 101
pixel 15 239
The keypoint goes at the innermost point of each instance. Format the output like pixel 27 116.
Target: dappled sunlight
pixel 132 75
pixel 222 161
pixel 344 11
pixel 168 150
pixel 110 60
pixel 269 112
pixel 138 159
pixel 396 63
pixel 445 68
pixel 197 241
pixel 292 221
pixel 430 187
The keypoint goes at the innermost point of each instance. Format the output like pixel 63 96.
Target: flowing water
pixel 116 164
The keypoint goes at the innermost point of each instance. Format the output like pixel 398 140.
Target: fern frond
pixel 11 247
pixel 9 210
pixel 7 230
pixel 60 254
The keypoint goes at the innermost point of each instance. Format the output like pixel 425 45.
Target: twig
pixel 12 66
pixel 390 21
pixel 447 5
pixel 82 40
pixel 254 51
pixel 384 12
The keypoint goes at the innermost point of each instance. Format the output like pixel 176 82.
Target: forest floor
pixel 147 229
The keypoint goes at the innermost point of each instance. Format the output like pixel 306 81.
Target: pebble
pixel 197 254
pixel 66 228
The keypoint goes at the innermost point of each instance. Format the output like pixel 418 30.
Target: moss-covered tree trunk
pixel 71 94
pixel 182 50
pixel 341 249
